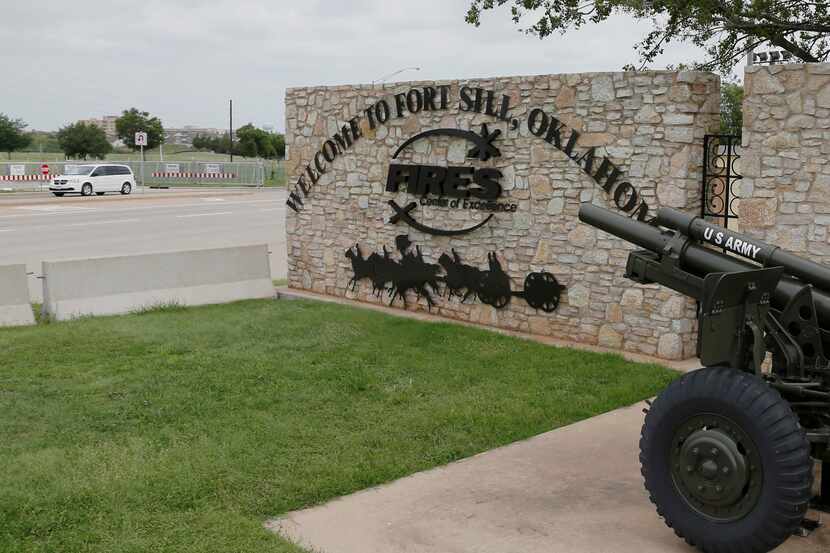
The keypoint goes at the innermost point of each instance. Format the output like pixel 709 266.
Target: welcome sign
pixel 461 197
pixel 464 182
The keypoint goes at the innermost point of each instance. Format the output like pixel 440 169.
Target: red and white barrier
pixel 19 178
pixel 189 175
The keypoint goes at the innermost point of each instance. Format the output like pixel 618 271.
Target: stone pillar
pixel 786 142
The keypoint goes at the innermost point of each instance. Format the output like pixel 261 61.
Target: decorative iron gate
pixel 720 173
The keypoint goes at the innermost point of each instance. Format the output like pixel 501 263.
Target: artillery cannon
pixel 727 450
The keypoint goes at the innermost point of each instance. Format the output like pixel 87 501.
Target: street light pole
pixel 230 133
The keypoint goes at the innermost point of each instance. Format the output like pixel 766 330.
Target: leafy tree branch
pixel 725 29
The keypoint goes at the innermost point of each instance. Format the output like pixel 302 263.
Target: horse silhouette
pixel 462 280
pixel 362 268
pixel 495 284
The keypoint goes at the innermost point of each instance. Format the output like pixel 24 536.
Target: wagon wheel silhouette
pixel 542 291
pixel 494 289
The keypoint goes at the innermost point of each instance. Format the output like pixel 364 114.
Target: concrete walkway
pixel 573 490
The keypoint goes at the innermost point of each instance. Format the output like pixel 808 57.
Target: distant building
pixel 185 135
pixel 177 137
pixel 106 124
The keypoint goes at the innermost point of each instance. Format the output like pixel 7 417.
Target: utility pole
pixel 230 134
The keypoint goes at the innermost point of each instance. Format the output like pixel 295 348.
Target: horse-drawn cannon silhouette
pixel 492 286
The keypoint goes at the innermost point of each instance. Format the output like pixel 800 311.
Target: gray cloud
pixel 182 59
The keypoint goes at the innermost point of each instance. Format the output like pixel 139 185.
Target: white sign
pixel 213 168
pixel 141 139
pixel 17 170
pixel 172 168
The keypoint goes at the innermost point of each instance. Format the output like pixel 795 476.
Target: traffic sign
pixel 44 169
pixel 141 139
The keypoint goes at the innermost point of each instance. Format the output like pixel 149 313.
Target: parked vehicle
pixel 88 179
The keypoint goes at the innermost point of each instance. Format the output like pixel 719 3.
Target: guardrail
pixel 114 285
pixel 36 176
pixel 15 308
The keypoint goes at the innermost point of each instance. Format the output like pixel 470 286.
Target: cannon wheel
pixel 726 462
pixel 542 291
pixel 491 292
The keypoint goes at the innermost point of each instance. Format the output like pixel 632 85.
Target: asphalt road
pixel 36 227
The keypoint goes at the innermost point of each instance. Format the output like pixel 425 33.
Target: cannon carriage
pixel 727 451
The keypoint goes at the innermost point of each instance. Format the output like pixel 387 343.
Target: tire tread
pixel 791 470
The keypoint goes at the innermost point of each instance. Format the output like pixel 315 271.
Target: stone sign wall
pixel 786 157
pixel 511 158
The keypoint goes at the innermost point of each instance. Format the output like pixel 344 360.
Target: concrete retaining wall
pixel 15 309
pixel 112 285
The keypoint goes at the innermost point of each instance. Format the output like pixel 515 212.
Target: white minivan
pixel 93 178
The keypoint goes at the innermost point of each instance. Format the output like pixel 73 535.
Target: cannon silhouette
pixel 412 273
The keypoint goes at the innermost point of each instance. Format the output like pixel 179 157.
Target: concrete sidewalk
pixel 573 490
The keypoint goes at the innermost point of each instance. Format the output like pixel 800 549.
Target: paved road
pixel 35 228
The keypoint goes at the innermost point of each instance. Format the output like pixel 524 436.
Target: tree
pixel 43 142
pixel 133 121
pixel 731 108
pixel 12 135
pixel 82 139
pixel 254 142
pixel 250 142
pixel 726 29
pixel 215 144
pixel 278 139
pixel 201 142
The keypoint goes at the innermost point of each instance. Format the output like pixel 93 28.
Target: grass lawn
pixel 183 430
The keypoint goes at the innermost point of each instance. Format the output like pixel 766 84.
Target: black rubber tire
pixel 86 191
pixel 59 194
pixel 768 420
pixel 126 188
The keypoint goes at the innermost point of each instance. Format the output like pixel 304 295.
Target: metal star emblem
pixel 485 149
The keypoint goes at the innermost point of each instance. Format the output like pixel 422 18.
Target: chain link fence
pixel 153 174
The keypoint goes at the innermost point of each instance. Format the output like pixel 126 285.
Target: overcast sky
pixel 182 60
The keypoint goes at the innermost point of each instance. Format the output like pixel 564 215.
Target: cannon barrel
pixel 751 248
pixel 697 259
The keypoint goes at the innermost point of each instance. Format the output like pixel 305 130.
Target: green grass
pixel 276 178
pixel 183 429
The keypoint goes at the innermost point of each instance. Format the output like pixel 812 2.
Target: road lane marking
pixel 204 214
pixel 112 222
pixel 133 208
pixel 7 230
pixel 213 199
pixel 55 208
